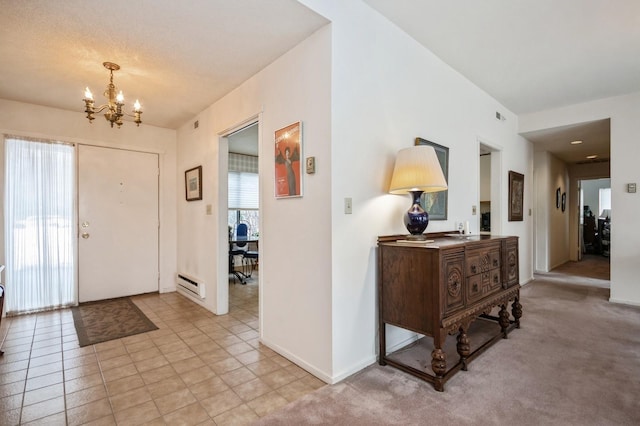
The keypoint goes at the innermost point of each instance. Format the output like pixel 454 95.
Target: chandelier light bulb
pixel 114 108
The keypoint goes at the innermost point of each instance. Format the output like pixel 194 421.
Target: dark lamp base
pixel 416 219
pixel 419 237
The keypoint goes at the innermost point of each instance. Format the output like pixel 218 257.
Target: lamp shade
pixel 606 214
pixel 417 169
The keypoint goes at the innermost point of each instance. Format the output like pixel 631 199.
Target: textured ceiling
pixel 176 57
pixel 180 57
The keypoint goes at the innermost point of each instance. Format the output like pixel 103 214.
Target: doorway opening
pixel 490 188
pixel 241 215
pixel 595 217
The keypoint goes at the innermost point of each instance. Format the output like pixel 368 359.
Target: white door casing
pixel 118 223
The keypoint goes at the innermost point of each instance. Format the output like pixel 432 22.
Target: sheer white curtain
pixel 39 225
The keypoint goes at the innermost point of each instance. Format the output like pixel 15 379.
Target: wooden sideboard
pixel 446 287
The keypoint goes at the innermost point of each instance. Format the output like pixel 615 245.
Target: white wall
pixel 625 127
pixel 50 123
pixel 386 90
pixel 295 233
pixel 552 224
pixel 485 178
pixel 544 202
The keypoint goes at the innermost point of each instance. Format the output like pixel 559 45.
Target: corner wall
pixel 387 90
pixel 552 224
pixel 295 233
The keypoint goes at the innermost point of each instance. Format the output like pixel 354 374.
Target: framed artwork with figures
pixel 288 169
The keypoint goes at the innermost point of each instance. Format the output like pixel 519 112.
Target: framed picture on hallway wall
pixel 435 203
pixel 516 196
pixel 288 168
pixel 193 183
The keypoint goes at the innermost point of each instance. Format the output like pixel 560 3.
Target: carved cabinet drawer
pixel 482 285
pixel 484 260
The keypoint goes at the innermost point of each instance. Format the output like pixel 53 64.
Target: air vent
pixel 593 161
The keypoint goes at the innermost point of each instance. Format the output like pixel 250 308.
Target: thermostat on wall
pixel 311 165
pixel 631 187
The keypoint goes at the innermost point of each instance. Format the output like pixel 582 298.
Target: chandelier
pixel 115 103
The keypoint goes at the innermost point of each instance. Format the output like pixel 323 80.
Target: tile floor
pixel 197 369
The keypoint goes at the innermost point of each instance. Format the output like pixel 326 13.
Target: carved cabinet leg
pixel 439 367
pixel 516 310
pixel 503 320
pixel 464 347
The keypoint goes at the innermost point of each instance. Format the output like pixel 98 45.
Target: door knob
pixel 85 235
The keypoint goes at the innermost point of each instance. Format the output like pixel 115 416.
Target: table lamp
pixel 606 214
pixel 417 170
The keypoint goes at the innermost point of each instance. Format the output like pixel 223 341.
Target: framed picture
pixel 435 203
pixel 288 168
pixel 564 201
pixel 558 198
pixel 193 183
pixel 516 196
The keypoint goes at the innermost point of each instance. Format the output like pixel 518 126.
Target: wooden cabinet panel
pixel 512 272
pixel 454 277
pixel 405 275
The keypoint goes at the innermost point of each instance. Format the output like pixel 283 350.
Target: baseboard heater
pixel 191 285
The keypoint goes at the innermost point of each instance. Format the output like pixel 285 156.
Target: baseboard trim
pixel 623 302
pixel 299 362
pixel 354 369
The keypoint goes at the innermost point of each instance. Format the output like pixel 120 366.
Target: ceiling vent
pixel 593 161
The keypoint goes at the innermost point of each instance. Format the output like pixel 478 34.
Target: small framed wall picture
pixel 288 167
pixel 193 183
pixel 516 196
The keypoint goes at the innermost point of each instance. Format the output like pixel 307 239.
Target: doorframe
pixel 222 279
pixel 496 184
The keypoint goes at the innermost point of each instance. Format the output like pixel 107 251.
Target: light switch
pixel 311 165
pixel 348 207
pixel 473 210
pixel 631 188
pixel 209 209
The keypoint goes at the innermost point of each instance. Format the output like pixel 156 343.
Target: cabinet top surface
pixel 439 241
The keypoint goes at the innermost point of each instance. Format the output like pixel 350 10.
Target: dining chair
pixel 250 260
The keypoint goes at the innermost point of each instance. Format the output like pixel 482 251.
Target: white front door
pixel 117 223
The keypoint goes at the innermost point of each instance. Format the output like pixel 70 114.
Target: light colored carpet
pixel 575 361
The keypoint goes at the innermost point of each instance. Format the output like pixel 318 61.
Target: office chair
pixel 239 248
